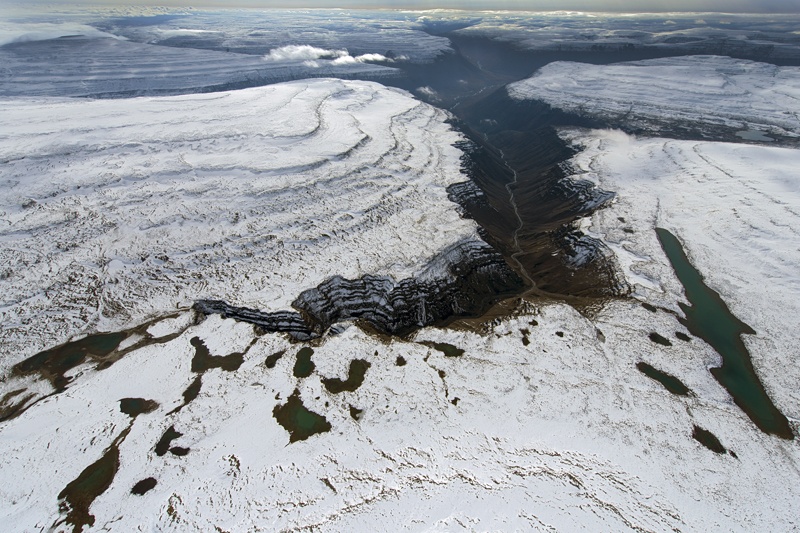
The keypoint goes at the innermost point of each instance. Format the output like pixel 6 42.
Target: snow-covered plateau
pixel 702 90
pixel 118 210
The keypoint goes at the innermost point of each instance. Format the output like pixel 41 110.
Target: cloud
pixel 303 52
pixel 309 54
pixel 428 91
pixel 349 60
pixel 372 57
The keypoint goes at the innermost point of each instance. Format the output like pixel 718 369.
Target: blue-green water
pixel 709 318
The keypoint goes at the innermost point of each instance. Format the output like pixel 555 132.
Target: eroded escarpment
pixel 527 210
pixel 525 202
pixel 463 280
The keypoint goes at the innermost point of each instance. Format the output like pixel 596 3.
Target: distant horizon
pixel 587 6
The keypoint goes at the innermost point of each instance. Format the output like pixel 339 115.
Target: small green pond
pixel 304 366
pixel 299 421
pixel 669 382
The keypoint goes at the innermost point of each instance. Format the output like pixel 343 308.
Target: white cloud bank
pixel 309 54
pixel 302 52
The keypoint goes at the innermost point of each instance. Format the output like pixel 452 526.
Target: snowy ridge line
pixel 463 280
pixel 705 93
pixel 276 322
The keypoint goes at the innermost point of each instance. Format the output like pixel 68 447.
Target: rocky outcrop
pixel 464 280
pixel 280 321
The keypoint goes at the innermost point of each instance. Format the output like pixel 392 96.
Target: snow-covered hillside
pixel 116 210
pixel 736 208
pixel 702 90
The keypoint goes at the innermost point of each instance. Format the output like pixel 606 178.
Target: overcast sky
pixel 747 6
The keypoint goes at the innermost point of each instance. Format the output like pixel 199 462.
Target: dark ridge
pixel 329 484
pixel 355 377
pixel 272 360
pixel 303 365
pixel 600 335
pixel 658 339
pixel 192 390
pixel 447 349
pixel 134 407
pixel 355 413
pixel 683 336
pixel 649 307
pixel 401 361
pixel 144 486
pixel 671 383
pixel 203 360
pixel 190 393
pixel 709 318
pixel 163 445
pixel 280 321
pixel 299 421
pixel 455 401
pixel 77 497
pixel 464 280
pixel 708 439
